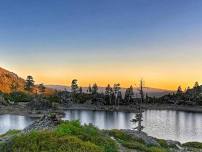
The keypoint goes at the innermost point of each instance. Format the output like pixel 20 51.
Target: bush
pixel 49 141
pixel 53 99
pixel 123 136
pixel 193 145
pixel 69 136
pixel 156 149
pixel 87 133
pixel 135 143
pixel 163 143
pixel 18 97
pixel 10 132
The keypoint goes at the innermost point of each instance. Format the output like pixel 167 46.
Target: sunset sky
pixel 103 41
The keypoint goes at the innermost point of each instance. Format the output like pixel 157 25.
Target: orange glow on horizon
pixel 164 76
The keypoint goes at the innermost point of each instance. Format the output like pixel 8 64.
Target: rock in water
pixel 49 121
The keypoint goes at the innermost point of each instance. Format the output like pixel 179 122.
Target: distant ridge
pixel 150 91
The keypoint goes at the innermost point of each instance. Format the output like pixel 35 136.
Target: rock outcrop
pixel 3 101
pixel 143 136
pixel 10 81
pixel 7 79
pixel 49 122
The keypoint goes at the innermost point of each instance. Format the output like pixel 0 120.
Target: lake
pixel 166 124
pixel 8 122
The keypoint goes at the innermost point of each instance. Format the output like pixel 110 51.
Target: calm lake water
pixel 166 124
pixel 8 122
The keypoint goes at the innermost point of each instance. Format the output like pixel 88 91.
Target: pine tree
pixel 179 91
pixel 139 117
pixel 29 83
pixel 80 90
pixel 94 88
pixel 41 88
pixel 129 94
pixel 74 86
pixel 109 93
pixel 89 89
pixel 147 98
pixel 117 89
pixel 197 89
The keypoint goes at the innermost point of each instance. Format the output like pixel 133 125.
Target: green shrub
pixel 137 144
pixel 18 97
pixel 87 133
pixel 53 99
pixel 118 134
pixel 163 143
pixel 134 145
pixel 10 132
pixel 50 141
pixel 142 147
pixel 69 136
pixel 156 149
pixel 193 145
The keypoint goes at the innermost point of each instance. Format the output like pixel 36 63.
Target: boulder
pixel 49 122
pixel 3 101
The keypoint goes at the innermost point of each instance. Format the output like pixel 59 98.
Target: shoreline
pixel 23 111
pixel 182 108
pixel 19 109
pixel 133 108
pixel 50 122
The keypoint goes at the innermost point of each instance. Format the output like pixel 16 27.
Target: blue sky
pixel 77 37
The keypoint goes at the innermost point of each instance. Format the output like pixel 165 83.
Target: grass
pixel 193 145
pixel 50 141
pixel 163 143
pixel 123 136
pixel 10 133
pixel 142 147
pixel 69 136
pixel 135 143
pixel 87 133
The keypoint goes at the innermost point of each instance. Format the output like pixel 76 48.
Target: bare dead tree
pixel 139 117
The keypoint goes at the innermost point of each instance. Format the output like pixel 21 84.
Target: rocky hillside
pixel 9 79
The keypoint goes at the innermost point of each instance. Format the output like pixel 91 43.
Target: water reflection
pixel 8 122
pixel 166 124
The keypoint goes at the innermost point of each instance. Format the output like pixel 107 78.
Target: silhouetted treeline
pixel 190 96
pixel 112 95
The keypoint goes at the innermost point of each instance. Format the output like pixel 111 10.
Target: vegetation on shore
pixel 196 145
pixel 71 136
pixel 137 144
pixel 68 136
